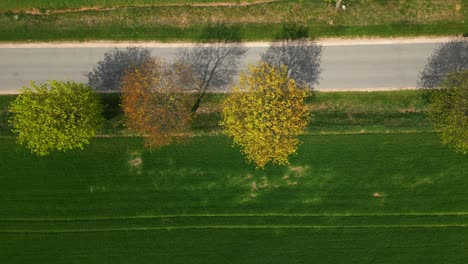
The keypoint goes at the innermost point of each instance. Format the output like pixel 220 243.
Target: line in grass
pixel 228 215
pixel 318 133
pixel 168 228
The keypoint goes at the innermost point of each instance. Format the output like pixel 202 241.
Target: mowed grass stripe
pixel 229 215
pixel 230 222
pixel 230 227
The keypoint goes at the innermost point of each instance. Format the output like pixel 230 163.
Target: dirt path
pixel 36 11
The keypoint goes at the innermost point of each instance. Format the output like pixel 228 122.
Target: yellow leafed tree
pixel 265 114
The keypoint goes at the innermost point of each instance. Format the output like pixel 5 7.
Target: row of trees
pixel 159 99
pixel 263 114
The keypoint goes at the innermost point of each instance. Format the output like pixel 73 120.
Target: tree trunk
pixel 338 3
pixel 196 105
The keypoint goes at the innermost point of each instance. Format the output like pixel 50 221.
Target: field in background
pixel 254 22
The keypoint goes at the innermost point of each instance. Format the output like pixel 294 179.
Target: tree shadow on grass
pixel 112 113
pixel 220 32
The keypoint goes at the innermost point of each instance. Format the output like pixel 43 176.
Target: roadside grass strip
pixel 332 113
pixel 117 20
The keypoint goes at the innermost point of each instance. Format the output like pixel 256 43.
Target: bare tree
pixel 106 76
pixel 214 66
pixel 301 57
pixel 447 58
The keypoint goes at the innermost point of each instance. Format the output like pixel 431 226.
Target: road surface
pixel 344 67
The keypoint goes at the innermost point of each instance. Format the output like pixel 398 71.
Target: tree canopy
pixel 448 111
pixel 154 101
pixel 265 114
pixel 55 116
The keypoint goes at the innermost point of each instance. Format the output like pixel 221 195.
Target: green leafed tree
pixel 55 116
pixel 265 114
pixel 448 111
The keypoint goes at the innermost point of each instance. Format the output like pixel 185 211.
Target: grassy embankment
pixel 262 21
pixel 359 198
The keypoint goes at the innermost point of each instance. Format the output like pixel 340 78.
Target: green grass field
pixel 335 174
pixel 206 246
pixel 195 203
pixel 392 193
pixel 130 21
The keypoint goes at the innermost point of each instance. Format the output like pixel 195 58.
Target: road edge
pixel 155 44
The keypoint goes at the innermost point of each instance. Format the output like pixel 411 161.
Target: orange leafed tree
pixel 154 103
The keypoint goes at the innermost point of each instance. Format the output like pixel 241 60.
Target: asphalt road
pixel 344 67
